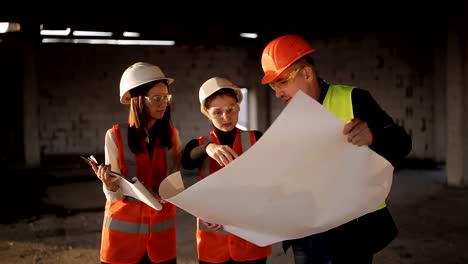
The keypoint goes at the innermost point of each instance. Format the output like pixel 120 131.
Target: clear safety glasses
pixel 219 112
pixel 283 82
pixel 158 99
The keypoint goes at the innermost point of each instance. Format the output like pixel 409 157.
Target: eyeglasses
pixel 158 99
pixel 218 112
pixel 283 82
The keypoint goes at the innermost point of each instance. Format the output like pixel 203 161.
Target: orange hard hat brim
pixel 271 75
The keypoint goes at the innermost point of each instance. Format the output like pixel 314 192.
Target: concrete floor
pixel 432 218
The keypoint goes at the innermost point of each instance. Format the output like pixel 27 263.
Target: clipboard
pixel 112 173
pixel 131 187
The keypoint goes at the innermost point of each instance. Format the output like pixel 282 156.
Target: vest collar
pixel 323 89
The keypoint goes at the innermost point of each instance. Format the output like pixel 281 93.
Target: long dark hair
pixel 161 131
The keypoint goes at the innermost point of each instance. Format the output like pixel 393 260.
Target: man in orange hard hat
pixel 288 68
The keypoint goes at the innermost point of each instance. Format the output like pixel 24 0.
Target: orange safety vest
pixel 217 247
pixel 131 227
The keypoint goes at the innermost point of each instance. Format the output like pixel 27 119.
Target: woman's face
pixel 156 101
pixel 223 112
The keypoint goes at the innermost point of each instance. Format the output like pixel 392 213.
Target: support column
pixel 440 100
pixel 456 98
pixel 32 152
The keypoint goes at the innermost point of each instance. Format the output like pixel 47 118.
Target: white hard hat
pixel 138 74
pixel 214 84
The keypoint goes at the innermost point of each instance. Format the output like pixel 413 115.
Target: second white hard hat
pixel 138 74
pixel 213 85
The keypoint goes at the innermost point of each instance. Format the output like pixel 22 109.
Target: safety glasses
pixel 219 112
pixel 283 82
pixel 158 99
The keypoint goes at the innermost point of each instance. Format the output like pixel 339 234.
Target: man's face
pixel 293 79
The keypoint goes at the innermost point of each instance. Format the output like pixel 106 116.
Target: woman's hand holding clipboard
pixel 130 186
pixel 91 160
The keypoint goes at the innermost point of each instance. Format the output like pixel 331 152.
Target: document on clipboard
pixel 131 186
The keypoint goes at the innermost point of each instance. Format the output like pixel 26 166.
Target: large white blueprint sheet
pixel 302 177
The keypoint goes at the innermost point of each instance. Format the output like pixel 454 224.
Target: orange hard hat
pixel 280 53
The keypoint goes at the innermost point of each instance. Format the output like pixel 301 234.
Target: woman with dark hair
pixel 147 147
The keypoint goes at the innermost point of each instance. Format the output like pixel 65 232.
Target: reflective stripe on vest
pixel 137 228
pixel 338 100
pixel 246 140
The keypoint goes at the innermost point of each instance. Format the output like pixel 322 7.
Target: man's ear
pixel 309 72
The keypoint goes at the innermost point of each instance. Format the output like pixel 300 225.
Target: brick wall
pixel 79 89
pixel 79 97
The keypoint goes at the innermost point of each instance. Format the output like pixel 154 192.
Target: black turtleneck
pixel 194 153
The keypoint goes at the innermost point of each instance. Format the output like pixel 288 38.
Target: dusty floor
pixel 59 219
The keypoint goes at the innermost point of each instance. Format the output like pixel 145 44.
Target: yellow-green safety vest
pixel 338 101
